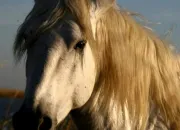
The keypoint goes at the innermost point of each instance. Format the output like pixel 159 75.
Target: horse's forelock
pixel 50 12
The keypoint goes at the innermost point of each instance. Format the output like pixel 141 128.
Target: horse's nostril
pixel 45 123
pixel 24 121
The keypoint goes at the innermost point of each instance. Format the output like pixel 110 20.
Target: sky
pixel 13 12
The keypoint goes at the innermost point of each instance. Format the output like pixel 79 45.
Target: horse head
pixel 91 56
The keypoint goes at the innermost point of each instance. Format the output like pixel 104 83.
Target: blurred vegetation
pixel 5 122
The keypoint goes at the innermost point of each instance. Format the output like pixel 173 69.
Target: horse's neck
pixel 84 121
pixel 67 124
pixel 156 121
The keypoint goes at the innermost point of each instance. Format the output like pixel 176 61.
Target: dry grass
pixel 5 122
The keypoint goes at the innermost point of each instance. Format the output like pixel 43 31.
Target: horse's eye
pixel 80 45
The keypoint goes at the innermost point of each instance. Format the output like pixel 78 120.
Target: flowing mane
pixel 137 71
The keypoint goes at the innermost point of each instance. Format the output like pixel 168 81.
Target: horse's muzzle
pixel 26 119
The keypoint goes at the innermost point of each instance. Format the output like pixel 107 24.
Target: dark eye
pixel 80 45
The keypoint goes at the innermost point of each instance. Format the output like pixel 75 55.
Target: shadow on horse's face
pixel 60 76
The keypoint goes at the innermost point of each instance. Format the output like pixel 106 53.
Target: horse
pixel 92 60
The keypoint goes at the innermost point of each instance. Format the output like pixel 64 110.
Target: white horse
pixel 90 59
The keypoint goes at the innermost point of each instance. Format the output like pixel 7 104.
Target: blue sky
pixel 12 13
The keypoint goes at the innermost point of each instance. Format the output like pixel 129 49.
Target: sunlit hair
pixel 137 71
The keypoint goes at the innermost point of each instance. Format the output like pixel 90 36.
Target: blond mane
pixel 137 71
